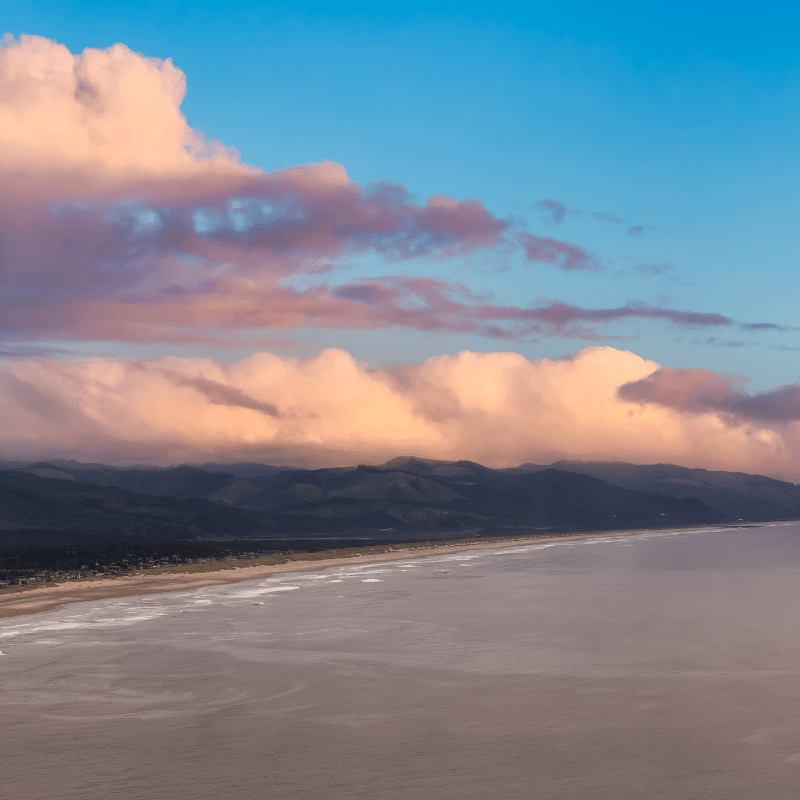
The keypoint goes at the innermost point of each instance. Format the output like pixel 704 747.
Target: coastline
pixel 40 599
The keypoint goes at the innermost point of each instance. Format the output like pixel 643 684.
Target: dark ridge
pixel 735 494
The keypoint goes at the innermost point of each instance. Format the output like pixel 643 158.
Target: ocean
pixel 658 665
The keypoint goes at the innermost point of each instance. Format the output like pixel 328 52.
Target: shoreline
pixel 40 599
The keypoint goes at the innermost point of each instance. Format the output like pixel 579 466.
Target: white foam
pixel 455 557
pixel 257 592
pixel 360 574
pixel 372 580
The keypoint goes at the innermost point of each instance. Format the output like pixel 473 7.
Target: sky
pixel 333 234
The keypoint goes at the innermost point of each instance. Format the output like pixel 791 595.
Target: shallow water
pixel 658 666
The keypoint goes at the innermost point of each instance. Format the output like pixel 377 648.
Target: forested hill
pixel 404 495
pixel 735 494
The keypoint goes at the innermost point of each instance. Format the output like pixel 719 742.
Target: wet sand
pixel 38 599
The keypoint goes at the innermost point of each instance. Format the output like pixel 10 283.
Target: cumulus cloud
pixel 103 113
pixel 496 408
pixel 117 220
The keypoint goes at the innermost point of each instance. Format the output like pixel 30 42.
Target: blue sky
pixel 681 119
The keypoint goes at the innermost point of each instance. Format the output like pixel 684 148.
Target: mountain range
pixel 58 500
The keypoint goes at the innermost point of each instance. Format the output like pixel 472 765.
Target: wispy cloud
pixel 26 351
pixel 654 269
pixel 698 391
pixel 641 230
pixel 221 394
pixel 565 256
pixel 553 211
pixel 606 217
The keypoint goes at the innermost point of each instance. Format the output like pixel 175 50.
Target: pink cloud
pixel 206 312
pixel 552 210
pixel 332 410
pixel 696 391
pixel 640 230
pixel 120 222
pixel 113 266
pixel 563 255
pixel 103 113
pixel 560 315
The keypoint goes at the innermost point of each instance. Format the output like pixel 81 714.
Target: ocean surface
pixel 663 665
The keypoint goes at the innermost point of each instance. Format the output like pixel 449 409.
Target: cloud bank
pixel 498 408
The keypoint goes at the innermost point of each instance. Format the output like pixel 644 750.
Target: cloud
pixel 496 408
pixel 552 210
pixel 26 351
pixel 562 314
pixel 217 314
pixel 430 304
pixel 695 391
pixel 124 270
pixel 654 269
pixel 555 212
pixel 565 256
pixel 764 326
pixel 118 221
pixel 220 394
pixel 713 341
pixel 640 230
pixel 103 113
pixel 606 217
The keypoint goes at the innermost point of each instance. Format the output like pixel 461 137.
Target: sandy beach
pixel 615 667
pixel 40 598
